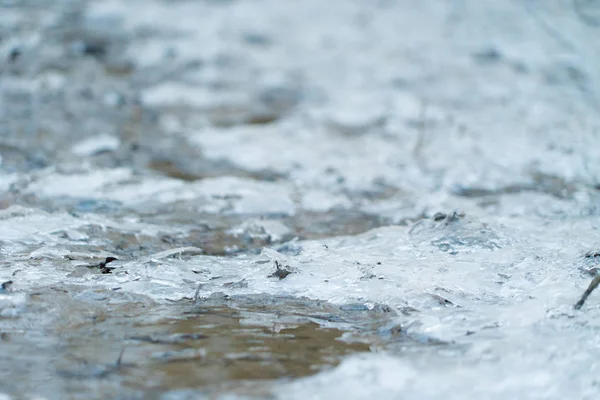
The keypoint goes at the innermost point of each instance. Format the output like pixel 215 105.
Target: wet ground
pixel 347 199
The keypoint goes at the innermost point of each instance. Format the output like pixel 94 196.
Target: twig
pixel 120 359
pixel 587 292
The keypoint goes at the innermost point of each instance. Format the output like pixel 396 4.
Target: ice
pixel 95 145
pixel 387 378
pixel 215 147
pixel 223 194
pixel 462 275
pixel 504 294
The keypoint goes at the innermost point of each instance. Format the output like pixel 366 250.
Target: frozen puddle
pixel 482 309
pixel 69 339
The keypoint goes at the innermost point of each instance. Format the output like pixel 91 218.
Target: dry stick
pixel 587 292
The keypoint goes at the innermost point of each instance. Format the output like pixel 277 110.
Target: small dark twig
pixel 280 272
pixel 104 269
pixel 587 292
pixel 120 359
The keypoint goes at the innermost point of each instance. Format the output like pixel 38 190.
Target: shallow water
pixel 233 199
pixel 115 344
